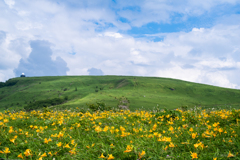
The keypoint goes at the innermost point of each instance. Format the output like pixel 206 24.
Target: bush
pixel 11 82
pixel 99 106
pixel 44 103
pixel 66 98
pixel 2 84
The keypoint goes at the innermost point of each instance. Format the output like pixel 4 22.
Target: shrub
pixel 44 103
pixel 99 106
pixel 11 82
pixel 66 98
pixel 2 84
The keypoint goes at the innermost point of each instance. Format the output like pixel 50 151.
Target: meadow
pixel 66 92
pixel 197 133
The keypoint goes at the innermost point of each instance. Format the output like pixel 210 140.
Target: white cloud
pixel 204 55
pixel 10 3
pixel 112 34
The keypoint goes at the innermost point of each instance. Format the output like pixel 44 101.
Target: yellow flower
pixel 98 129
pixel 141 154
pixel 12 140
pixel 194 135
pixel 45 140
pixel 214 158
pixel 50 153
pixel 66 146
pixel 60 135
pixel 102 156
pixel 6 151
pixel 194 155
pixel 110 156
pixel 128 149
pixel 44 155
pixel 20 156
pixel 230 154
pixel 27 152
pixel 220 130
pixel 59 144
pixel 72 151
pixel 171 145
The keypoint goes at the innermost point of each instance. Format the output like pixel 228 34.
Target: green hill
pixel 129 91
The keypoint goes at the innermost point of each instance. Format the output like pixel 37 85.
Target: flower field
pixel 120 134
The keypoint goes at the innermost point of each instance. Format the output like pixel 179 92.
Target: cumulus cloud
pixel 95 72
pixel 40 63
pixel 85 33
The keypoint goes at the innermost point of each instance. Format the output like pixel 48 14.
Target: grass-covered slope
pixel 133 92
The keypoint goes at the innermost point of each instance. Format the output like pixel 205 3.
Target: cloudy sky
pixel 192 40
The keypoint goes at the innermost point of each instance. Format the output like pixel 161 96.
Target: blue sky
pixel 196 41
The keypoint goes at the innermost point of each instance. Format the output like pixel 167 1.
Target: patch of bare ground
pixel 123 103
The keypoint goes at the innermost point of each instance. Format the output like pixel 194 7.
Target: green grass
pixel 141 92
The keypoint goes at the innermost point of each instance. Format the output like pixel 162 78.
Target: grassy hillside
pixel 133 92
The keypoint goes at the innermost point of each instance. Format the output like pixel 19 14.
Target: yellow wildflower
pixel 141 154
pixel 230 155
pixel 194 155
pixel 171 145
pixel 194 135
pixel 20 156
pixel 128 149
pixel 44 155
pixel 110 156
pixel 102 156
pixel 6 151
pixel 59 144
pixel 27 152
pixel 66 146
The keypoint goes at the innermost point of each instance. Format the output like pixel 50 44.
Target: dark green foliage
pixel 75 88
pixel 98 106
pixel 43 103
pixel 64 89
pixel 2 84
pixel 66 98
pixel 96 90
pixel 184 108
pixel 11 82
